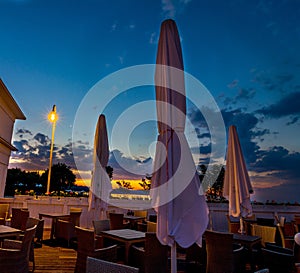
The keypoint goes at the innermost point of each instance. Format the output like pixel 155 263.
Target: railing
pixel 217 216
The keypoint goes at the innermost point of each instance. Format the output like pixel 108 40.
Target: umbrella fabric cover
pixel 100 182
pixel 237 185
pixel 177 196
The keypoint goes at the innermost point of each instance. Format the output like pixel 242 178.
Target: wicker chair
pixel 297 223
pixel 14 255
pixel 233 224
pixel 65 226
pixel 266 233
pixel 151 226
pixel 294 252
pixel 278 262
pixel 101 225
pixel 101 266
pixel 86 246
pixel 141 213
pixel 222 254
pixel 4 215
pixel 32 221
pixel 195 258
pixel 286 241
pixel 39 223
pixel 19 218
pixel 153 258
pixel 117 221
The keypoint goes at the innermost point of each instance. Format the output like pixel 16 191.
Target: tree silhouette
pixel 146 185
pixel 109 171
pixel 22 181
pixel 62 177
pixel 124 184
pixel 215 179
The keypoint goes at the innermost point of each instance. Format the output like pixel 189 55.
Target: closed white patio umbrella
pixel 100 183
pixel 182 213
pixel 237 186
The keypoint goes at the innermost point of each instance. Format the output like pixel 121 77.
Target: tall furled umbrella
pixel 176 192
pixel 237 186
pixel 100 182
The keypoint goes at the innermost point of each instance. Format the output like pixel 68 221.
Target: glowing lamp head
pixel 52 116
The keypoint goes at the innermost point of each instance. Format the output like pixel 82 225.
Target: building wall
pixel 9 112
pixel 4 160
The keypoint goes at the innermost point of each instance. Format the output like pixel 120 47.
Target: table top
pixel 53 214
pixel 132 217
pixel 246 238
pixel 8 231
pixel 126 234
pixel 250 220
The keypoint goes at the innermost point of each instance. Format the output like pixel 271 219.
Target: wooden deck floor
pixel 58 259
pixel 54 258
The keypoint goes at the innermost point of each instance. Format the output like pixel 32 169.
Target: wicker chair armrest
pixel 279 249
pixel 65 223
pixel 138 249
pixel 265 270
pixel 99 241
pixel 64 218
pixel 126 224
pixel 12 244
pixel 9 253
pixel 141 226
pixel 279 254
pixel 40 230
pixel 107 253
pixel 238 251
pixel 237 247
pixel 137 256
pixel 239 256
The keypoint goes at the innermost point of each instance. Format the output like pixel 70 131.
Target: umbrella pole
pixel 173 258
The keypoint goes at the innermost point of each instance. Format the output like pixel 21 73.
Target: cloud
pixel 272 170
pixel 153 38
pixel 126 167
pixel 168 8
pixel 41 138
pixel 292 121
pixel 21 132
pixel 272 80
pixel 281 166
pixel 21 145
pixel 287 106
pixel 246 124
pixel 131 26
pixel 278 158
pixel 114 26
pixel 245 94
pixel 233 84
pixel 171 8
pixel 34 152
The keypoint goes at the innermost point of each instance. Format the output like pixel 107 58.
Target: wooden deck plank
pixel 54 258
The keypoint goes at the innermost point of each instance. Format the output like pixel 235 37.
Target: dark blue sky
pixel 246 53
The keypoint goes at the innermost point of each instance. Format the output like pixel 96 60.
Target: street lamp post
pixel 52 117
